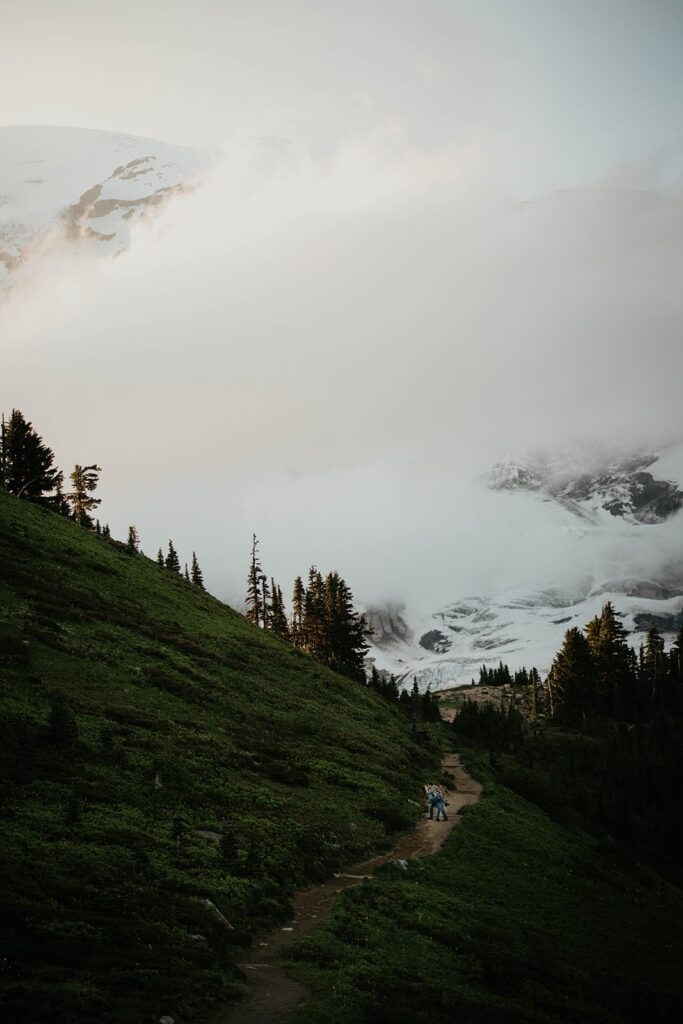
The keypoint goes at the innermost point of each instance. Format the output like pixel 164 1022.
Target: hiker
pixel 435 798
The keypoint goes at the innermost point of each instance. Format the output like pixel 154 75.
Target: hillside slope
pixel 519 919
pixel 171 773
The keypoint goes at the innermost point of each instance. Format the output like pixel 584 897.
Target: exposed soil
pixel 500 696
pixel 273 997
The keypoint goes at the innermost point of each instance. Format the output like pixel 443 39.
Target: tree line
pixel 323 621
pixel 597 674
pixel 612 757
pixel 502 676
pixel 28 471
pixel 595 677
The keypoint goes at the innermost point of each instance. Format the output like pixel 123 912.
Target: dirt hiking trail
pixel 273 997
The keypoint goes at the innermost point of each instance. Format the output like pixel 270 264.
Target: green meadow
pixel 170 775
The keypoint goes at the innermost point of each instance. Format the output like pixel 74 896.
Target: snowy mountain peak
pixel 622 487
pixel 619 522
pixel 83 186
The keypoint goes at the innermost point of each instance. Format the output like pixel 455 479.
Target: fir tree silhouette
pixel 197 577
pixel 253 612
pixel 172 561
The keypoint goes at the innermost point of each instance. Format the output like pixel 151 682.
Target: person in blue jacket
pixel 435 798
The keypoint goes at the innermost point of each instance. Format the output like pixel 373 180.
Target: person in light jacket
pixel 436 798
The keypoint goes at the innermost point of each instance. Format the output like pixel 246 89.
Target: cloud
pixel 329 350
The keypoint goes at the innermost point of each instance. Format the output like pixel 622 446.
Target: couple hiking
pixel 436 798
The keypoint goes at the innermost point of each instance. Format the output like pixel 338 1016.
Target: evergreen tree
pixel 298 601
pixel 534 695
pixel 265 601
pixel 431 712
pixel 344 631
pixel 58 503
pixel 615 666
pixel 392 689
pixel 84 480
pixel 498 728
pixel 374 680
pixel 674 689
pixel 106 532
pixel 522 678
pixel 133 543
pixel 313 626
pixel 253 612
pixel 676 657
pixel 654 668
pixel 326 626
pixel 186 574
pixel 571 679
pixel 501 676
pixel 160 558
pixel 27 467
pixel 276 613
pixel 197 577
pixel 172 561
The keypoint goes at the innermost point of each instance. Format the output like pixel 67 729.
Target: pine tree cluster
pixel 323 622
pixel 171 561
pixel 418 706
pixel 28 470
pixel 502 676
pixel 597 674
pixel 498 728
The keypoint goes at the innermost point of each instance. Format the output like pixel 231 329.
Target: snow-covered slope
pixel 82 186
pixel 622 518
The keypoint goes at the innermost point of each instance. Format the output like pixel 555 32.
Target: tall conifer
pixel 197 577
pixel 571 679
pixel 172 561
pixel 298 600
pixel 277 618
pixel 534 695
pixel 27 467
pixel 615 665
pixel 253 612
pixel 265 602
pixel 655 670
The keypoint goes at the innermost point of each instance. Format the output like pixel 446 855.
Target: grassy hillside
pixel 518 919
pixel 170 773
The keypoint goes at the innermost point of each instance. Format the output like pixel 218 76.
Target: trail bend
pixel 272 996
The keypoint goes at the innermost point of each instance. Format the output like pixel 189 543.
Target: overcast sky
pixel 471 245
pixel 555 93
